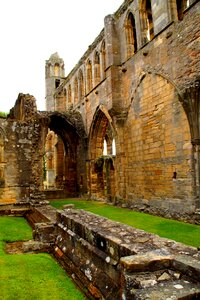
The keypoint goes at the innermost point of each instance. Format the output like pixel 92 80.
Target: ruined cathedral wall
pixel 21 136
pixel 132 81
pixel 157 167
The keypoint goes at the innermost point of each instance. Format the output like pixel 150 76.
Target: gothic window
pixel 57 83
pixel 113 147
pixel 75 91
pixel 131 38
pixel 96 68
pixel 89 75
pixel 147 21
pixel 69 94
pixel 103 59
pixel 105 150
pixel 81 84
pixel 56 70
pixel 181 6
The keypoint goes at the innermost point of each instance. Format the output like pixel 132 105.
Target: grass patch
pixel 179 231
pixel 30 276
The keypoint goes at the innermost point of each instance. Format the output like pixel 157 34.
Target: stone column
pixel 190 99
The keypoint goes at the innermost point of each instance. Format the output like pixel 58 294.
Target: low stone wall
pixel 17 209
pixel 109 260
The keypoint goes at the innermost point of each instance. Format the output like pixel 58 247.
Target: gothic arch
pixel 101 167
pixel 159 124
pixel 64 152
pixel 144 73
pixel 97 75
pixel 146 19
pixel 81 85
pixel 75 90
pixel 131 35
pixel 103 59
pixel 89 82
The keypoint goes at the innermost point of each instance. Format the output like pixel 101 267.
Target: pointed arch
pixel 131 36
pixel 182 5
pixel 101 164
pixel 97 76
pixel 163 140
pixel 56 70
pixel 75 90
pixel 146 21
pixel 89 75
pixel 81 85
pixel 103 59
pixel 69 95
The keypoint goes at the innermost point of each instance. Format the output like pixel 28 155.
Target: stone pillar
pixel 190 99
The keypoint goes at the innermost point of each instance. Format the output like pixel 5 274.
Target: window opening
pixel 131 37
pixel 57 83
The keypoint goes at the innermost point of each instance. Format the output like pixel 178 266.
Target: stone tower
pixel 54 75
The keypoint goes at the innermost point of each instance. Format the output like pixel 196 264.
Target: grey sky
pixel 32 30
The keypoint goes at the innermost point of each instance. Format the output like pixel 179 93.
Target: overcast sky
pixel 32 30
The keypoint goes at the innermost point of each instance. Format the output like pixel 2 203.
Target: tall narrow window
pixel 76 91
pixel 81 85
pixel 103 60
pixel 69 94
pixel 131 38
pixel 181 6
pixel 96 68
pixel 57 83
pixel 105 150
pixel 147 21
pixel 56 70
pixel 89 75
pixel 113 147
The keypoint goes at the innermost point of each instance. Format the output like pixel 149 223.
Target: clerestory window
pixel 147 21
pixel 131 37
pixel 182 5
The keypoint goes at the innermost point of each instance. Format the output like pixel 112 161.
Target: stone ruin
pixel 110 260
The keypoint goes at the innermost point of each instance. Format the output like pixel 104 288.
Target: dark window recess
pixel 57 83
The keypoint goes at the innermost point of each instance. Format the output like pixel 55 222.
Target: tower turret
pixel 54 75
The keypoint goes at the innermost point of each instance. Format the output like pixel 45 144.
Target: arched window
pixel 69 94
pixel 131 38
pixel 103 60
pixel 96 68
pixel 81 85
pixel 76 90
pixel 56 70
pixel 147 21
pixel 89 75
pixel 181 6
pixel 113 147
pixel 105 150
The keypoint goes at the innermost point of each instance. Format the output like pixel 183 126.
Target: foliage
pixel 179 231
pixel 3 114
pixel 30 276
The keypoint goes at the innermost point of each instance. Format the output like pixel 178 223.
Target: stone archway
pixel 65 153
pixel 101 181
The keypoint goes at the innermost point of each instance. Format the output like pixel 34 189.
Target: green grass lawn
pixel 30 276
pixel 179 231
